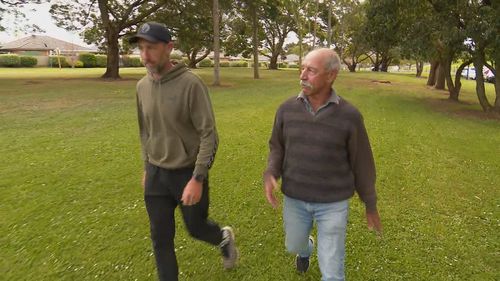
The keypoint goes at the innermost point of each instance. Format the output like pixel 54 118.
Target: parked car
pixel 469 73
pixel 488 75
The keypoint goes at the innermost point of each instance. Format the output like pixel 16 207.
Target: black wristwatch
pixel 199 178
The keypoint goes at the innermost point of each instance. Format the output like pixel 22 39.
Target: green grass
pixel 71 206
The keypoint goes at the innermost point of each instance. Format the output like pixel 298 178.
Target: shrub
pixel 88 59
pixel 238 64
pixel 206 63
pixel 131 61
pixel 9 60
pixel 27 61
pixel 53 62
pixel 185 61
pixel 261 64
pixel 224 64
pixel 282 65
pixel 293 66
pixel 175 56
pixel 100 61
pixel 78 64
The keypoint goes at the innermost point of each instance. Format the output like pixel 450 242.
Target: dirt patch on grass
pixel 460 109
pixel 32 82
pixel 40 105
pixel 382 81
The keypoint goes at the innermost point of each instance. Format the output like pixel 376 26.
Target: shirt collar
pixel 334 98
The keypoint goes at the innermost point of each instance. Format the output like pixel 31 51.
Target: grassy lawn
pixel 72 209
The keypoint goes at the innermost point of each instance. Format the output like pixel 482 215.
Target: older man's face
pixel 314 78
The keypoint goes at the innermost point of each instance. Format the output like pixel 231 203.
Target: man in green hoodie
pixel 179 141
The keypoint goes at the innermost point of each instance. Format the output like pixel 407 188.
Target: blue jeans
pixel 331 220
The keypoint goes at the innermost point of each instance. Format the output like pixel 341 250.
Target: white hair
pixel 332 59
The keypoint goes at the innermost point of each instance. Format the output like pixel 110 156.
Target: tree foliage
pixel 11 11
pixel 104 22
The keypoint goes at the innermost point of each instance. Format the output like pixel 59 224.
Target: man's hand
pixel 192 192
pixel 270 185
pixel 373 221
pixel 144 180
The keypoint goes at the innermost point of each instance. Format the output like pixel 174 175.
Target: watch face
pixel 199 178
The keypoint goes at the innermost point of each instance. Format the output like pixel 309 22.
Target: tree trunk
pixel 449 81
pixel 329 40
pixel 497 85
pixel 192 59
pixel 440 77
pixel 315 24
pixel 480 91
pixel 431 81
pixel 215 15
pixel 273 62
pixel 458 77
pixel 255 43
pixel 351 65
pixel 376 63
pixel 384 62
pixel 113 63
pixel 420 68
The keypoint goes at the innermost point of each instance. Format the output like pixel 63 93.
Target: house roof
pixel 39 42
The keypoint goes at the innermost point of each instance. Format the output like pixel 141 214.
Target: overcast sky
pixel 42 18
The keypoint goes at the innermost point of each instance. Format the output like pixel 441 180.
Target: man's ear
pixel 332 76
pixel 170 46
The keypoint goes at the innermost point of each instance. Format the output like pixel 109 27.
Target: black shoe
pixel 228 248
pixel 302 264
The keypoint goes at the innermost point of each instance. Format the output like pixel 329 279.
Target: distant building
pixel 42 47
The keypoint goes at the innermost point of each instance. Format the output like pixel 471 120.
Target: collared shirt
pixel 333 99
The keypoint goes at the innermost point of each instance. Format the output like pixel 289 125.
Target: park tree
pixel 448 39
pixel 277 22
pixel 417 29
pixel 242 38
pixel 104 22
pixel 349 19
pixel 299 9
pixel 192 25
pixel 383 30
pixel 216 28
pixel 482 23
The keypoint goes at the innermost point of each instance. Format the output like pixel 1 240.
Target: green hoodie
pixel 176 121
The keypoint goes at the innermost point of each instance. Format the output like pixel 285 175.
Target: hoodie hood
pixel 175 71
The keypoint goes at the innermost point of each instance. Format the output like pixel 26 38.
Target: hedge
pixel 28 61
pixel 206 63
pixel 131 61
pixel 238 64
pixel 101 60
pixel 88 59
pixel 10 60
pixel 54 62
pixel 78 64
pixel 176 56
pixel 282 65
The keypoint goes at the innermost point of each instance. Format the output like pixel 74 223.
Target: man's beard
pixel 155 69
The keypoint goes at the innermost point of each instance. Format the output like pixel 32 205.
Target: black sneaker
pixel 228 248
pixel 302 264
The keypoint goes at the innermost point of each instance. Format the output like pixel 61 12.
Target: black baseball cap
pixel 152 32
